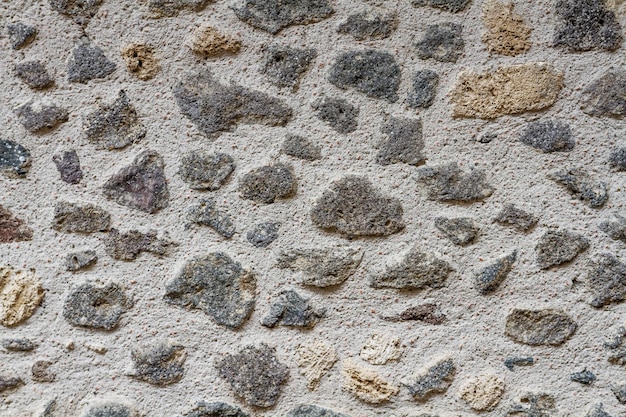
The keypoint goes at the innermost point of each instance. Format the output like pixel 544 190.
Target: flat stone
pixel 511 363
pixel 109 409
pixel 171 8
pixel 423 89
pixel 606 279
pixel 40 372
pixel 204 170
pixel 301 148
pixel 13 229
pixel 369 26
pixel 321 267
pixel 14 159
pixel 507 32
pixel 412 270
pixel 255 374
pixel 517 218
pixel 18 345
pixel 217 285
pixel 580 184
pixel 403 144
pixel 80 218
pixel 606 96
pixel 366 384
pixel 34 74
pixel 533 405
pixel 584 25
pixel 620 392
pixel 21 34
pixel 76 261
pixel 353 207
pixel 217 409
pixel 215 108
pixel 141 60
pixel 615 227
pixel 482 393
pixel 373 73
pixel 37 116
pixel 442 42
pixel 449 183
pixel 460 230
pixel 20 295
pixel 584 377
pixel 267 183
pixel 208 41
pixel 381 348
pixel 262 234
pixel 597 410
pixel 205 213
pixel 453 6
pixel 539 327
pixel 337 113
pixel 140 185
pixel 88 62
pixel 510 89
pixel 68 166
pixel 10 382
pixel 617 159
pixel 290 309
pixel 429 313
pixel 559 246
pixel 81 11
pixel 313 411
pixel 489 278
pixel 548 136
pixel 434 378
pixel 284 66
pixel 127 246
pixel 159 363
pixel 315 360
pixel 274 15
pixel 96 307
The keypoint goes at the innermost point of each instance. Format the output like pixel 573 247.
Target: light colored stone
pixel 507 33
pixel 482 393
pixel 380 349
pixel 366 384
pixel 315 360
pixel 141 60
pixel 207 41
pixel 20 294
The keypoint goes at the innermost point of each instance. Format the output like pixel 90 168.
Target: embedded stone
pixel 205 213
pixel 81 11
pixel 534 405
pixel 20 35
pixel 510 89
pixel 159 363
pixel 171 8
pixel 284 66
pixel 482 393
pixel 80 218
pixel 48 408
pixel 141 60
pixel 615 227
pixel 337 113
pixel 255 374
pixel 14 159
pixel 290 309
pixel 76 261
pixel 274 15
pixel 301 148
pixel 434 378
pixel 620 392
pixel 453 6
pixel 215 108
pixel 315 360
pixel 262 234
pixel 487 137
pixel 584 377
pixel 110 409
pixel 449 183
pixel 412 270
pixel 559 246
pixel 366 384
pixel 68 166
pixel 606 96
pixel 18 345
pixel 489 278
pixel 313 411
pixel 548 136
pixel 584 25
pixel 580 184
pixel 404 143
pixel 41 372
pixel 20 295
pixel 217 409
pixel 539 327
pixel 321 267
pixel 597 410
pixel 442 42
pixel 205 171
pixel 353 207
pixel 616 348
pixel 88 62
pixel 369 26
pixel 460 230
pixel 207 41
pixel 606 280
pixel 140 185
pixel 217 285
pixel 511 363
pixel 34 74
pixel 380 349
pixel 617 159
pixel 267 183
pixel 127 246
pixel 423 89
pixel 10 382
pixel 373 73
pixel 13 229
pixel 517 218
pixel 427 313
pixel 36 116
pixel 96 307
pixel 507 32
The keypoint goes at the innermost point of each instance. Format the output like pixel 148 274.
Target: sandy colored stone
pixel 482 393
pixel 140 60
pixel 510 89
pixel 507 33
pixel 207 41
pixel 20 295
pixel 366 384
pixel 315 360
pixel 381 348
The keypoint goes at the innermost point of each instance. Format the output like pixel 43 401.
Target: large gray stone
pixel 81 11
pixel 205 171
pixel 323 267
pixel 548 136
pixel 583 25
pixel 442 42
pixel 275 15
pixel 606 280
pixel 539 327
pixel 606 96
pixel 96 307
pixel 580 184
pixel 88 62
pixel 290 309
pixel 412 270
pixel 559 246
pixel 404 142
pixel 448 183
pixel 267 183
pixel 205 213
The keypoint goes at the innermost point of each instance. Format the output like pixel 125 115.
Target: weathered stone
pixel 616 348
pixel 507 32
pixel 129 245
pixel 68 166
pixel 539 327
pixel 205 213
pixel 301 148
pixel 215 108
pixel 449 183
pixel 353 207
pixel 88 62
pixel 80 218
pixel 81 11
pixel 171 8
pixel 539 405
pixel 584 377
pixel 267 183
pixel 315 360
pixel 580 184
pixel 205 171
pixel 337 113
pixel 140 185
pixel 290 309
pixel 14 159
pixel 76 261
pixel 255 374
pixel 380 349
pixel 275 15
pixel 548 136
pixel 20 295
pixel 34 74
pixel 110 409
pixel 482 393
pixel 369 26
pixel 427 313
pixel 615 227
pixel 373 73
pixel 460 230
pixel 423 89
pixel 606 280
pixel 597 410
pixel 489 278
pixel 204 409
pixel 13 229
pixel 559 246
pixel 453 6
pixel 217 285
pixel 404 143
pixel 96 307
pixel 617 159
pixel 434 378
pixel 620 392
pixel 511 363
pixel 47 409
pixel 284 65
pixel 37 116
pixel 323 267
pixel 366 384
pixel 510 89
pixel 18 345
pixel 262 234
pixel 20 34
pixel 159 363
pixel 606 96
pixel 487 137
pixel 10 382
pixel 442 42
pixel 141 60
pixel 412 270
pixel 208 42
pixel 41 372
pixel 517 218
pixel 584 25
pixel 313 411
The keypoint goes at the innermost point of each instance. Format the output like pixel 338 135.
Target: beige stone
pixel 507 33
pixel 380 349
pixel 366 384
pixel 140 60
pixel 20 294
pixel 207 41
pixel 509 89
pixel 315 359
pixel 482 393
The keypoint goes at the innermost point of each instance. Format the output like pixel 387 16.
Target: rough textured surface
pixel 516 217
pixel 301 148
pixel 41 372
pixel 442 42
pixel 606 96
pixel 403 142
pixel 369 26
pixel 381 348
pixel 76 261
pixel 68 166
pixel 15 159
pixel 315 360
pixel 38 116
pixel 21 34
pixel 366 384
pixel 10 382
pixel 489 278
pixel 205 213
pixel 482 393
pixel 20 295
pixel 449 183
pixel 18 345
pixel 313 411
pixel 127 246
pixel 321 267
pixel 80 218
pixel 81 11
pixel 290 309
pixel 204 409
pixel 159 363
pixel 615 227
pixel 12 228
pixel 597 410
pixel 617 158
pixel 262 234
pixel 460 230
pixel 141 60
pixel 109 409
pixel 548 136
pixel 584 377
pixel 267 183
pixel 284 66
pixel 616 348
pixel 586 24
pixel 534 405
pixel 337 113
pixel 620 392
pixel 511 363
pixel 453 6
pixel 34 74
pixel 208 41
pixel 507 32
pixel 539 327
pixel 423 89
pixel 205 171
pixel 96 306
pixel 88 62
pixel 580 184
pixel 274 15
pixel 427 313
pixel 434 378
pixel 606 279
pixel 412 270
pixel 171 8
pixel 559 246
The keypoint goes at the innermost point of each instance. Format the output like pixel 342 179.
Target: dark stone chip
pixel 285 65
pixel 205 171
pixel 428 313
pixel 37 116
pixel 78 260
pixel 13 229
pixel 128 246
pixel 80 218
pixel 517 218
pixel 437 379
pixel 442 42
pixel 313 411
pixel 159 363
pixel 606 96
pixel 68 166
pixel 96 307
pixel 364 26
pixel 404 142
pixel 205 213
pixel 460 231
pixel 267 183
pixel 40 372
pixel 262 234
pixel 584 377
pixel 8 382
pixel 616 227
pixel 489 278
pixel 301 148
pixel 486 137
pixel 14 159
pixel 597 410
pixel 204 409
pixel 337 113
pixel 511 363
pixel 617 159
pixel 584 25
pixel 539 327
pixel 34 74
pixel 448 183
pixel 275 15
pixel 18 345
pixel 290 309
pixel 453 6
pixel 607 280
pixel 81 11
pixel 620 392
pixel 171 8
pixel 548 136
pixel 559 246
pixel 109 409
pixel 423 89
pixel 88 62
pixel 21 35
pixel 415 270
pixel 580 184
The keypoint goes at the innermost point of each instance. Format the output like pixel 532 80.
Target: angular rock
pixel 559 246
pixel 18 345
pixel 20 295
pixel 584 25
pixel 380 349
pixel 262 234
pixel 617 159
pixel 404 143
pixel 423 89
pixel 255 374
pixel 597 410
pixel 442 42
pixel 13 229
pixel 580 184
pixel 323 267
pixel 110 409
pixel 267 183
pixel 615 227
pixel 434 378
pixel 584 377
pixel 290 309
pixel 76 261
pixel 301 148
pixel 510 89
pixel 207 41
pixel 606 280
pixel 96 307
pixel 141 60
pixel 428 313
pixel 460 230
pixel 217 285
pixel 171 8
pixel 81 11
pixel 373 73
pixel 205 213
pixel 507 32
pixel 449 183
pixel 68 166
pixel 204 409
pixel 159 363
pixel 489 278
pixel 315 360
pixel 48 409
pixel 284 65
pixel 412 270
pixel 36 116
pixel 274 15
pixel 616 348
pixel 9 382
pixel 353 207
pixel 14 159
pixel 539 327
pixel 548 136
pixel 453 6
pixel 20 34
pixel 216 108
pixel 369 26
pixel 313 411
pixel 511 363
pixel 517 218
pixel 337 113
pixel 620 392
pixel 606 96
pixel 34 74
pixel 482 393
pixel 88 62
pixel 366 384
pixel 129 245
pixel 80 218
pixel 41 373
pixel 205 171
pixel 539 405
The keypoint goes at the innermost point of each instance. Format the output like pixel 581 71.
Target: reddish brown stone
pixel 13 229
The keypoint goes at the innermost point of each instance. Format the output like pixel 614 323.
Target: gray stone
pixel 48 409
pixel 369 26
pixel 18 345
pixel 140 185
pixel 9 382
pixel 20 34
pixel 487 137
pixel 597 410
pixel 584 377
pixel 275 15
pixel 96 307
pixel 36 116
pixel 373 73
pixel 255 374
pixel 129 245
pixel 159 363
pixel 423 89
pixel 262 234
pixel 616 348
pixel 80 218
pixel 14 159
pixel 548 136
pixel 313 411
pixel 584 25
pixel 109 409
pixel 442 42
pixel 34 74
pixel 301 148
pixel 606 280
pixel 427 313
pixel 617 159
pixel 412 270
pixel 284 65
pixel 88 62
pixel 559 246
pixel 489 278
pixel 517 218
pixel 76 261
pixel 217 285
pixel 615 227
pixel 13 229
pixel 204 409
pixel 205 171
pixel 404 143
pixel 81 11
pixel 449 183
pixel 606 96
pixel 620 392
pixel 453 6
pixel 460 230
pixel 434 379
pixel 539 327
pixel 322 267
pixel 533 405
pixel 171 8
pixel 511 363
pixel 580 184
pixel 353 207
pixel 113 125
pixel 68 166
pixel 290 309
pixel 337 113
pixel 215 108
pixel 267 183
pixel 40 372
pixel 205 213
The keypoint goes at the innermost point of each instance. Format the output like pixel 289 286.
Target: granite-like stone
pixel 76 261
pixel 459 230
pixel 482 393
pixel 109 409
pixel 217 409
pixel 315 360
pixel 80 218
pixel 171 8
pixel 442 42
pixel 404 142
pixel 429 313
pixel 37 116
pixel 10 382
pixel 434 378
pixel 96 307
pixel 81 11
pixel 620 392
pixel 20 295
pixel 209 42
pixel 412 270
pixel 548 136
pixel 533 405
pixel 580 184
pixel 205 213
pixel 366 384
pixel 606 279
pixel 452 6
pixel 141 60
pixel 34 74
pixel 290 309
pixel 14 159
pixel 517 218
pixel 546 327
pixel 13 229
pixel 584 25
pixel 262 234
pixel 381 348
pixel 423 89
pixel 274 15
pixel 284 66
pixel 21 34
pixel 615 227
pixel 159 363
pixel 597 410
pixel 127 246
pixel 584 377
pixel 507 32
pixel 313 411
pixel 88 62
pixel 489 278
pixel 449 183
pixel 559 246
pixel 204 170
pixel 321 267
pixel 606 96
pixel 40 372
pixel 301 148
pixel 337 113
pixel 511 363
pixel 217 285
pixel 267 183
pixel 369 26
pixel 68 166
pixel 617 159
pixel 18 345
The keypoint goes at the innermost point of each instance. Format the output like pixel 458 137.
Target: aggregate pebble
pixel 442 42
pixel 94 306
pixel 337 113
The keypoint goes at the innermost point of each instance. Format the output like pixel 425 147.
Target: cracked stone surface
pixel 556 247
pixel 12 228
pixel 321 267
pixel 290 309
pixel 98 307
pixel 434 378
pixel 127 246
pixel 80 218
pixel 159 362
pixel 366 384
pixel 548 327
pixel 449 183
pixel 273 15
pixel 21 293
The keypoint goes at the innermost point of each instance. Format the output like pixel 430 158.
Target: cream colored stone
pixel 20 294
pixel 482 393
pixel 140 60
pixel 380 349
pixel 366 384
pixel 315 359
pixel 207 41
pixel 508 90
pixel 507 33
